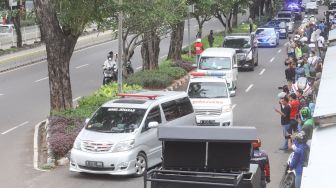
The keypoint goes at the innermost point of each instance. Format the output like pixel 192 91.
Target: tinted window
pixel 177 108
pixel 215 63
pixel 237 43
pixel 265 32
pixel 185 107
pixel 170 110
pixel 154 115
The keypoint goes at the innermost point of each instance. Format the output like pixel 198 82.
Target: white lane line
pixel 76 99
pixel 248 88
pixel 272 59
pixel 279 51
pixel 138 68
pixel 286 44
pixel 42 79
pixel 234 106
pixel 262 71
pixel 2 94
pixel 82 66
pixel 9 130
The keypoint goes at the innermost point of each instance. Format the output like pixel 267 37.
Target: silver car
pixel 121 136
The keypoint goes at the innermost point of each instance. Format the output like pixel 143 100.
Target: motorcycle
pixel 288 179
pixel 303 84
pixel 110 74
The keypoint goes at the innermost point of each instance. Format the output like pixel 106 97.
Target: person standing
pixel 290 74
pixel 211 39
pixel 198 46
pixel 260 157
pixel 295 105
pixel 251 24
pixel 285 119
pixel 320 45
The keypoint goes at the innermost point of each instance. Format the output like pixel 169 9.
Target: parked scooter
pixel 288 179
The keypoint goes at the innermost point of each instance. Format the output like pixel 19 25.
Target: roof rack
pixel 137 95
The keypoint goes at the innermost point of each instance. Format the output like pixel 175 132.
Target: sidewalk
pixel 26 57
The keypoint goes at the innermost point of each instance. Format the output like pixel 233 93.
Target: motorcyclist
pixel 260 157
pixel 109 62
pixel 299 146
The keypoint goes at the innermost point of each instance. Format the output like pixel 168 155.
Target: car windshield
pixel 215 63
pixel 284 20
pixel 237 43
pixel 284 15
pixel 116 120
pixel 207 90
pixel 265 32
pixel 4 29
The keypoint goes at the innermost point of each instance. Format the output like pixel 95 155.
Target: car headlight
pixel 249 56
pixel 271 39
pixel 124 145
pixel 226 108
pixel 77 144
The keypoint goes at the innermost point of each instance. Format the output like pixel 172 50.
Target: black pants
pixel 251 28
pixel 293 126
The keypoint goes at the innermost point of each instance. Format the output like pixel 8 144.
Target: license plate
pixel 207 121
pixel 95 164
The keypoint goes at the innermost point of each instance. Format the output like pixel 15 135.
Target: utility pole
pixel 120 49
pixel 190 9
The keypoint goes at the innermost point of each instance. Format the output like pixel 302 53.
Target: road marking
pixel 2 94
pixel 36 134
pixel 286 44
pixel 11 129
pixel 279 51
pixel 139 68
pixel 262 71
pixel 82 66
pixel 272 59
pixel 41 79
pixel 234 106
pixel 248 88
pixel 76 99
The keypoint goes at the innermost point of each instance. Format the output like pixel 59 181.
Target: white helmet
pixel 304 39
pixel 198 40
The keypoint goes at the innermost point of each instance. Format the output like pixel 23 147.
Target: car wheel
pixel 140 165
pixel 256 63
pixel 252 68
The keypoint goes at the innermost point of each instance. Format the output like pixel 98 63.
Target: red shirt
pixel 198 48
pixel 294 104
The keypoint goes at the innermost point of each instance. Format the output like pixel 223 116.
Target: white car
pixel 311 7
pixel 289 23
pixel 211 101
pixel 6 29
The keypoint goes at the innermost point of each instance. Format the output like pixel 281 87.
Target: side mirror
pixel 232 93
pixel 194 65
pixel 87 120
pixel 153 124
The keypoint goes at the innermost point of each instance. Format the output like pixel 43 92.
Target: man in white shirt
pixel 320 44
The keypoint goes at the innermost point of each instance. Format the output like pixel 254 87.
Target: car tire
pixel 256 63
pixel 252 68
pixel 140 165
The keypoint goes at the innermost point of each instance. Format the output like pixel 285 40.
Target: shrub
pixel 185 57
pixel 150 79
pixel 174 72
pixel 187 66
pixel 165 64
pixel 63 132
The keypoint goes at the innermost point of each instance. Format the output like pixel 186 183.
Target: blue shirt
pixel 298 158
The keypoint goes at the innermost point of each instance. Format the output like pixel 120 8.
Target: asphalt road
pixel 24 101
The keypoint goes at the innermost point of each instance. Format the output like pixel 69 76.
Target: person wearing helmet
pixel 307 122
pixel 260 157
pixel 198 46
pixel 299 146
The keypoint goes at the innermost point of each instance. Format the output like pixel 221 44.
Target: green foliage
pixel 218 40
pixel 174 72
pixel 186 57
pixel 243 28
pixel 150 79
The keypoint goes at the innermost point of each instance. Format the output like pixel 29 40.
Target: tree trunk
pixel 219 16
pixel 176 41
pixel 262 5
pixel 268 8
pixel 150 50
pixel 235 15
pixel 17 26
pixel 60 44
pixel 229 22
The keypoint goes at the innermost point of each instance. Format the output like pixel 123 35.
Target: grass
pixel 243 28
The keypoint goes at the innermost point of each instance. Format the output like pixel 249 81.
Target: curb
pixel 178 83
pixel 36 146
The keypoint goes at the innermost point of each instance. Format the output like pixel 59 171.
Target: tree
pixel 16 14
pixel 202 12
pixel 176 40
pixel 62 22
pixel 223 10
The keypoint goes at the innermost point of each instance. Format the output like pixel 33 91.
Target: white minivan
pixel 121 136
pixel 220 62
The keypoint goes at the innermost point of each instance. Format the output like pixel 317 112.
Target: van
pixel 121 136
pixel 221 62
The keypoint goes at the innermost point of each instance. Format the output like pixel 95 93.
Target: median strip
pixel 11 129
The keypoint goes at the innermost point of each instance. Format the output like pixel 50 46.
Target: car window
pixel 170 110
pixel 153 115
pixel 215 63
pixel 265 32
pixel 185 107
pixel 207 90
pixel 237 43
pixel 5 29
pixel 116 120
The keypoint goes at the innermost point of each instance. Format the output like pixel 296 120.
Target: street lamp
pixel 120 49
